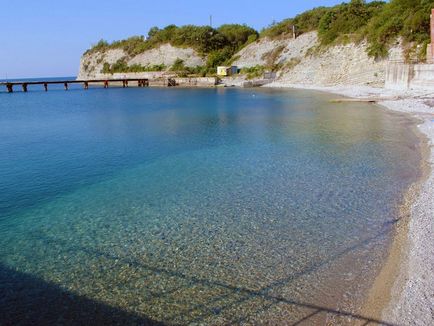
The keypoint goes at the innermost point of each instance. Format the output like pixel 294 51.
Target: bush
pixel 346 19
pixel 305 22
pixel 253 72
pixel 272 56
pixel 106 69
pixel 291 64
pixel 178 65
pixel 237 35
pixel 400 18
pixel 219 57
pixel 101 46
pixel 121 66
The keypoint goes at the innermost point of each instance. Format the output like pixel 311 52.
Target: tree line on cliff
pixel 378 22
pixel 217 44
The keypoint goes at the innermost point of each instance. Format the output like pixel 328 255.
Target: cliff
pixel 335 54
pixel 295 61
pixel 276 52
pixel 301 61
pixel 92 63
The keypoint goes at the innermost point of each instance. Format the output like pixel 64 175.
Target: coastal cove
pixel 217 163
pixel 200 205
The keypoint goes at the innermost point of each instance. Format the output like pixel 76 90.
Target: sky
pixel 46 38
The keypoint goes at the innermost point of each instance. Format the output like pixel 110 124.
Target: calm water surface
pixel 212 206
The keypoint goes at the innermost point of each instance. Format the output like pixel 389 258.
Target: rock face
pixel 91 64
pixel 347 64
pixel 283 50
pixel 299 62
pixel 167 55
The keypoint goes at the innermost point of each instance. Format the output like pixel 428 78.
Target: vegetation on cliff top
pixel 378 22
pixel 409 19
pixel 219 45
pixel 330 22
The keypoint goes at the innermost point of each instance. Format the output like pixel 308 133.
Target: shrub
pixel 219 57
pixel 346 19
pixel 291 64
pixel 237 35
pixel 272 56
pixel 178 65
pixel 305 22
pixel 106 69
pixel 121 66
pixel 253 72
pixel 400 18
pixel 101 46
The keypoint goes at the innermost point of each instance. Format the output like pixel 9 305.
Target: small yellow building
pixel 227 71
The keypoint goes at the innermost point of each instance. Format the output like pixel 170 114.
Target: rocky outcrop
pixel 296 61
pixel 279 51
pixel 347 64
pixel 91 64
pixel 300 61
pixel 167 54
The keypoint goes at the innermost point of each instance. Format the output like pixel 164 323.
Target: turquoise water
pixel 207 206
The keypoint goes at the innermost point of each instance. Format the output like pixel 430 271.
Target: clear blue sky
pixel 40 38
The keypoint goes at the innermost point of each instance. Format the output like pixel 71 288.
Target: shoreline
pixel 403 291
pixel 390 280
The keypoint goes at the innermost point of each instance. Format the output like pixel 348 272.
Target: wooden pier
pixel 104 82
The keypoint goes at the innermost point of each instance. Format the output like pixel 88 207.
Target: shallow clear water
pixel 214 206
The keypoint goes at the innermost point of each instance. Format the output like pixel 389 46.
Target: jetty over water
pixel 104 82
pixel 165 81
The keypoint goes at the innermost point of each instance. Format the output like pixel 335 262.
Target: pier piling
pixel 105 82
pixel 143 83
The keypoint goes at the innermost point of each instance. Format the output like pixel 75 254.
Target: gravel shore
pixel 412 294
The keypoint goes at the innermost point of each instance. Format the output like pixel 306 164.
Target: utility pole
pixel 210 20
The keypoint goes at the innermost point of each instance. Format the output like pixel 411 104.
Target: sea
pixel 175 206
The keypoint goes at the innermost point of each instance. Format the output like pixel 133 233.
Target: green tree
pixel 236 35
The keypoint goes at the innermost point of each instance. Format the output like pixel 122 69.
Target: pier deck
pixel 105 82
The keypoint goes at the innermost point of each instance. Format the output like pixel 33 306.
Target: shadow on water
pixel 99 313
pixel 28 300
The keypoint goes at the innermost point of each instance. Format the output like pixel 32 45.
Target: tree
pixel 236 35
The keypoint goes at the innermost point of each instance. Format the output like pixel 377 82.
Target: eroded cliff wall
pixel 296 61
pixel 302 61
pixel 91 64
